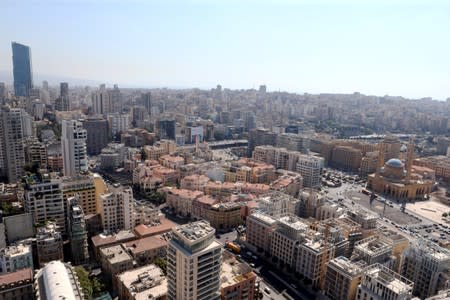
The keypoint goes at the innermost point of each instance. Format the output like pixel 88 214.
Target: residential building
pixel 15 257
pixel 49 244
pixel 73 145
pixel 145 250
pixel 147 282
pixel 118 123
pixel 379 283
pixel 17 285
pixel 342 278
pixel 12 154
pixel 97 133
pixel 194 261
pixel 373 249
pixel 115 260
pixel 311 169
pixel 77 232
pixel 426 264
pixel 44 199
pixel 346 158
pixel 84 188
pixel 22 69
pixel 259 231
pixel 116 208
pixel 260 137
pixel 113 156
pixel 237 280
pixel 194 182
pixel 57 280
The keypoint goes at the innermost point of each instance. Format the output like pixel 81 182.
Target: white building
pixel 118 123
pixel 194 261
pixel 44 199
pixel 73 145
pixel 15 258
pixel 57 280
pixel 311 168
pixel 12 154
pixel 117 209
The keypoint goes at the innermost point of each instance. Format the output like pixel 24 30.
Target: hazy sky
pixel 375 47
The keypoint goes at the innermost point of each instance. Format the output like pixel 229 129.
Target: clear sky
pixel 375 47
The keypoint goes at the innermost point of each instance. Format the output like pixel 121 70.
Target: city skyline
pixel 373 48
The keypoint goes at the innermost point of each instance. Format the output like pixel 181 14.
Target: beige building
pixel 346 158
pixel 237 280
pixel 194 261
pixel 115 260
pixel 116 208
pixel 145 283
pixel 146 250
pixel 194 182
pixel 373 249
pixel 440 164
pixel 342 278
pixel 259 231
pixel 84 187
pixel 224 216
pixel 181 201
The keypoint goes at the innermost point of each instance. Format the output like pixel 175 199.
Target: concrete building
pixel 346 158
pixel 311 169
pixel 379 283
pixel 113 156
pixel 35 153
pixel 225 216
pixel 259 231
pixel 427 265
pixel 293 142
pixel 146 250
pixel 278 204
pixel 44 199
pixel 194 182
pixel 147 282
pixel 12 154
pixel 342 278
pixel 260 137
pixel 118 123
pixel 17 285
pixel 57 280
pixel 13 258
pixel 115 260
pixel 73 145
pixel 374 249
pixel 440 164
pixel 84 188
pixel 97 133
pixel 49 244
pixel 77 232
pixel 194 261
pixel 237 280
pixel 116 208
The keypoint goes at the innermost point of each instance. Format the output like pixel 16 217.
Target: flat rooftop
pixel 264 218
pixel 351 268
pixel 194 231
pixel 145 283
pixel 116 254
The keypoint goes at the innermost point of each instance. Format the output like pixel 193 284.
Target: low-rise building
pixel 13 258
pixel 17 285
pixel 147 282
pixel 115 260
pixel 237 280
pixel 49 244
pixel 147 249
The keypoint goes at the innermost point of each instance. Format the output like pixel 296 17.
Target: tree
pixel 444 215
pixel 162 263
pixel 85 282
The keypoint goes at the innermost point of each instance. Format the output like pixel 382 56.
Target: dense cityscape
pixel 111 192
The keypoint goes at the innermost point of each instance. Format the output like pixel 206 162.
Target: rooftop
pixel 116 254
pixel 121 237
pixel 145 244
pixel 164 226
pixel 16 277
pixel 351 268
pixel 194 231
pixel 147 282
pixel 389 279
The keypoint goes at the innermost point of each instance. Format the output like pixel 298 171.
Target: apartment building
pixel 342 278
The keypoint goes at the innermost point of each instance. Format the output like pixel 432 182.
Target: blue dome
pixel 395 163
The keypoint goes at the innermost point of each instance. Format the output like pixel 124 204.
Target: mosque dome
pixel 394 163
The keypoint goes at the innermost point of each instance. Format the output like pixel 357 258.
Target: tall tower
pixel 12 153
pixel 409 160
pixel 380 162
pixel 23 76
pixel 73 145
pixel 194 261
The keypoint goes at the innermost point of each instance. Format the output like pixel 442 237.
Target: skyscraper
pixel 12 154
pixel 193 263
pixel 62 103
pixel 73 144
pixel 23 77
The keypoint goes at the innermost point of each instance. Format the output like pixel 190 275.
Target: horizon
pixel 377 48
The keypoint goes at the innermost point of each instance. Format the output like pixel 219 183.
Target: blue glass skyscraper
pixel 23 77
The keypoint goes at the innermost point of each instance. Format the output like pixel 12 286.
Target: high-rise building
pixel 167 129
pixel 12 154
pixel 63 102
pixel 77 232
pixel 427 265
pixel 73 144
pixel 45 85
pixel 100 101
pixel 44 199
pixel 147 102
pixel 23 76
pixel 311 168
pixel 379 283
pixel 97 134
pixel 115 98
pixel 194 261
pixel 49 244
pixel 260 137
pixel 118 123
pixel 57 280
pixel 83 187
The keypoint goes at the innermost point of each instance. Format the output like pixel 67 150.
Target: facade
pixel 116 209
pixel 83 187
pixel 115 260
pixel 440 164
pixel 44 199
pixel 260 228
pixel 63 102
pixel 57 280
pixel 373 250
pixel 12 154
pixel 260 137
pixel 73 145
pixel 22 69
pixel 113 156
pixel 118 123
pixel 97 134
pixel 224 216
pixel 342 278
pixel 147 282
pixel 13 258
pixel 346 158
pixel 17 285
pixel 49 244
pixel 426 264
pixel 237 281
pixel 311 169
pixel 194 261
pixel 146 250
pixel 379 283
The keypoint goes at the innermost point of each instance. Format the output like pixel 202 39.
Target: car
pixel 252 265
pixel 267 290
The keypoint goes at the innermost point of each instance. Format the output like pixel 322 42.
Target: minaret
pixel 409 160
pixel 380 163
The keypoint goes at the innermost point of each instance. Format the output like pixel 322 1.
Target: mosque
pixel 398 180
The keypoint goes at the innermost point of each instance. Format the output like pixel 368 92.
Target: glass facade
pixel 23 77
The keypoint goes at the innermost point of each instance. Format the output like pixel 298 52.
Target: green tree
pixel 85 282
pixel 162 263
